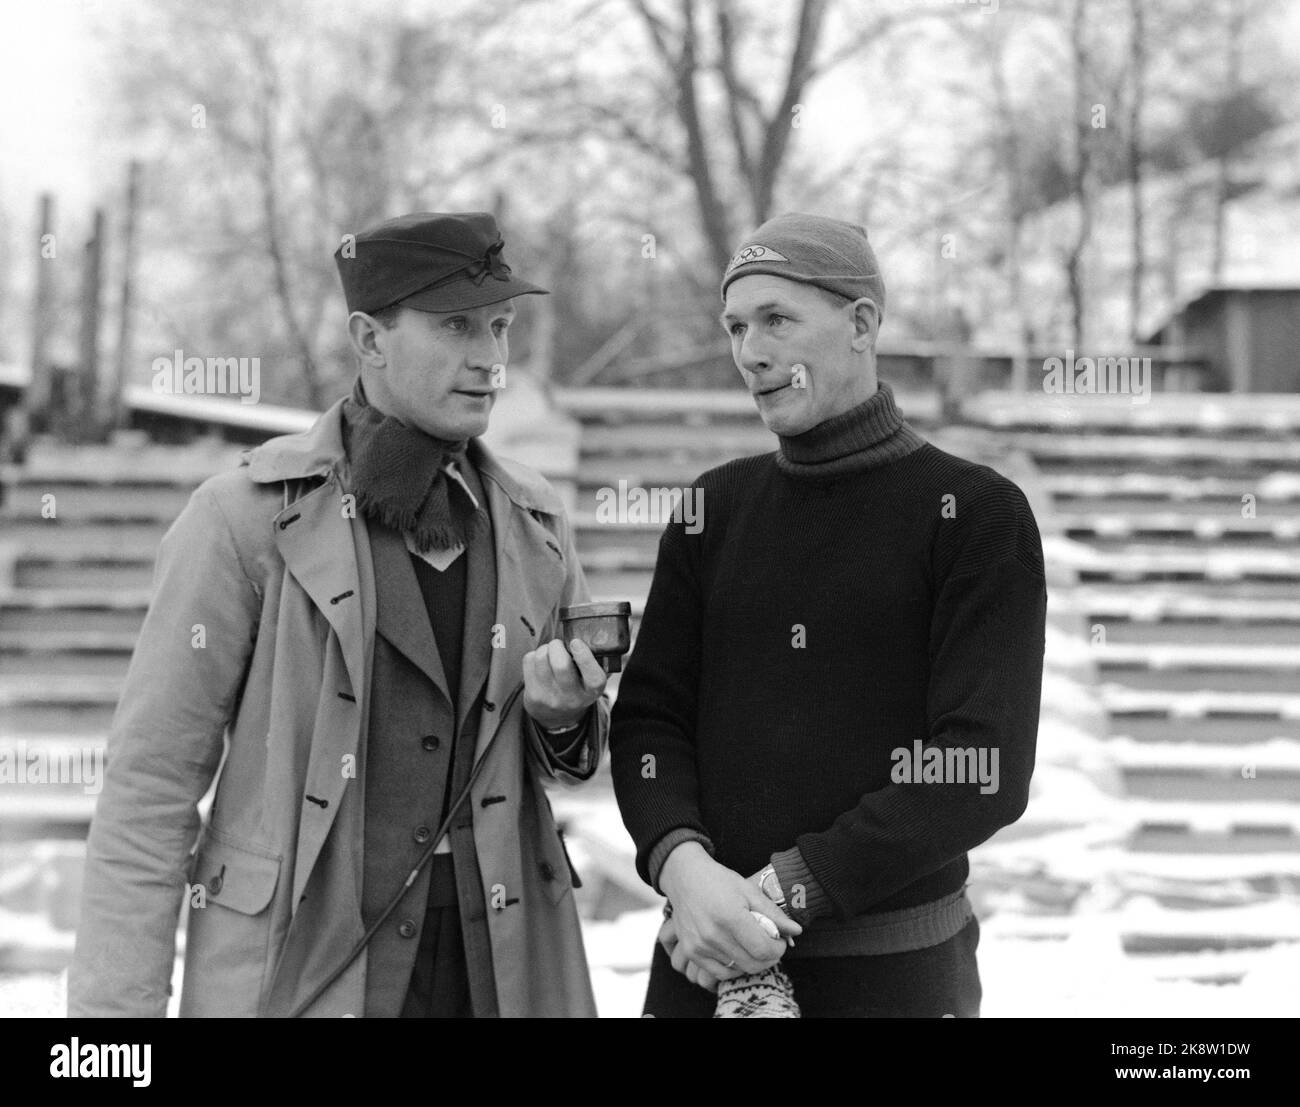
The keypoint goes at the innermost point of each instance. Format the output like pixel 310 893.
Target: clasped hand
pixel 711 935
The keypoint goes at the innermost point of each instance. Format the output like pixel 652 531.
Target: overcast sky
pixel 47 117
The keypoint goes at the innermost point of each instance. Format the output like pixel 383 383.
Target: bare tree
pixel 268 108
pixel 1136 106
pixel 990 42
pixel 734 156
pixel 1081 168
pixel 1234 25
pixel 284 143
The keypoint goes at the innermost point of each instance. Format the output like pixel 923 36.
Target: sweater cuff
pixel 570 752
pixel 669 842
pixel 804 898
pixel 567 746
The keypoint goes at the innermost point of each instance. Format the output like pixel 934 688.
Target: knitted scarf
pixel 870 434
pixel 399 477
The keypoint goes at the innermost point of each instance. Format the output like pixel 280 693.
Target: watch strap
pixel 770 884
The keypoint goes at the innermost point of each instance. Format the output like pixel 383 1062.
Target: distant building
pixel 1250 335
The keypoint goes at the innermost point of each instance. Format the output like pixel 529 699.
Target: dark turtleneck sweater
pixel 854 592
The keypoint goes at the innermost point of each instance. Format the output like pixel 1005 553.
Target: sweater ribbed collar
pixel 872 434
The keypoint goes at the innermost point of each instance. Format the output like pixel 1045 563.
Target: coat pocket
pixel 554 868
pixel 235 875
pixel 228 933
pixel 556 871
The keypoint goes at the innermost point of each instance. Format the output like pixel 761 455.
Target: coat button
pixel 423 834
pixel 407 929
pixel 431 742
pixel 215 885
pixel 548 870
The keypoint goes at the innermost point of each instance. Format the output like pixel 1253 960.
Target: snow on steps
pixel 1164 412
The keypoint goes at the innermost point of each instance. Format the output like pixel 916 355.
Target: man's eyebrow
pixel 762 309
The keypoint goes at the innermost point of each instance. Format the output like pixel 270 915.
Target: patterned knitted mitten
pixel 761 995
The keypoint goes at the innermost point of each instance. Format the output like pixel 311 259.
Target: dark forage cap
pixel 430 261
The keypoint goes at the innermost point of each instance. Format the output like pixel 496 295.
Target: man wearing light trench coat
pixel 259 559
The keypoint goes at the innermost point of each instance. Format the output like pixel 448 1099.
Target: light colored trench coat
pixel 258 646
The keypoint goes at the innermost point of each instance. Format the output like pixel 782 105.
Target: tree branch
pixel 812 15
pixel 712 216
pixel 266 175
pixel 658 32
pixel 736 93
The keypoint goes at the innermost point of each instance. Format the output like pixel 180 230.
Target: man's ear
pixel 364 335
pixel 866 324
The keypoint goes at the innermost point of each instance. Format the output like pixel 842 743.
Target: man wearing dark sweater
pixel 834 693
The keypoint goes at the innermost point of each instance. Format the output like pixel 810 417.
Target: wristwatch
pixel 771 885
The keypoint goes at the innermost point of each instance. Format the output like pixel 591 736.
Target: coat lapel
pixel 316 541
pixel 530 574
pixel 327 551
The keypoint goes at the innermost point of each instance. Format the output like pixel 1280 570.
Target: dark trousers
pixel 439 986
pixel 923 983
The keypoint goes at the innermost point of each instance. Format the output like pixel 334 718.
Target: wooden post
pixel 114 407
pixel 87 419
pixel 38 390
pixel 1236 311
pixel 1020 370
